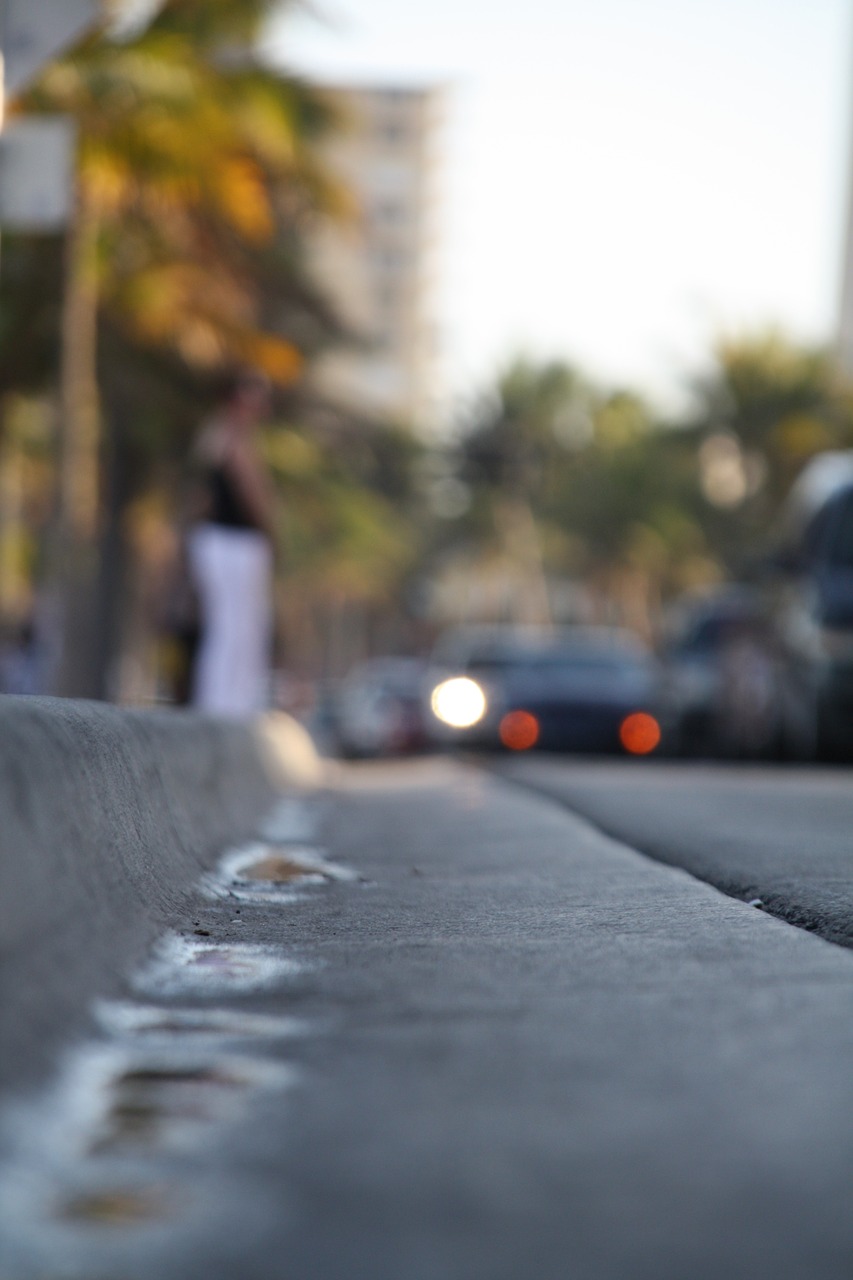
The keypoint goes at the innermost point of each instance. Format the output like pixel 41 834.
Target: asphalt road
pixel 783 835
pixel 526 1051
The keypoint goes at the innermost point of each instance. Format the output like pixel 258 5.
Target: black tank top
pixel 228 507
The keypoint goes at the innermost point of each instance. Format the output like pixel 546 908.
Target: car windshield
pixel 711 633
pixel 563 662
pixel 841 545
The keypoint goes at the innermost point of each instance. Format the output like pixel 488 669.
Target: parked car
pixel 379 709
pixel 811 593
pixel 721 677
pixel 571 688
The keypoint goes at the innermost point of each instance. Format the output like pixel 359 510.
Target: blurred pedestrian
pixel 19 664
pixel 230 556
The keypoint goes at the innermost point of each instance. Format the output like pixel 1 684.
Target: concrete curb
pixel 107 819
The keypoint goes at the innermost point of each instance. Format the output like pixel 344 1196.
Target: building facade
pixel 378 265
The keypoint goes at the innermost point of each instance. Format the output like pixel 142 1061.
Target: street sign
pixel 36 173
pixel 35 31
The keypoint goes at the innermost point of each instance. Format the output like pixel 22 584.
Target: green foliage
pixel 618 495
pixel 30 308
pixel 533 416
pixel 199 168
pixel 214 24
pixel 579 458
pixel 773 405
pixel 196 167
pixel 345 530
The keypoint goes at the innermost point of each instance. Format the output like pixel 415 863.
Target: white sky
pixel 624 179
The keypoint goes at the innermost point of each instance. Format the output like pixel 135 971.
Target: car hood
pixel 607 688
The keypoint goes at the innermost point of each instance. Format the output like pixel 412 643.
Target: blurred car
pixel 379 709
pixel 564 689
pixel 811 590
pixel 720 669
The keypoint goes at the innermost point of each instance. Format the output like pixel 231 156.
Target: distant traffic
pixel 759 670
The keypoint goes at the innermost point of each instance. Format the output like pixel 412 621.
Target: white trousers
pixel 232 572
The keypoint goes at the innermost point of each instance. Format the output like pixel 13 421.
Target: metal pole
pixel 4 24
pixel 844 332
pixel 4 19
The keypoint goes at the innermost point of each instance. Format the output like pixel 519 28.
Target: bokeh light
pixel 519 730
pixel 639 734
pixel 459 702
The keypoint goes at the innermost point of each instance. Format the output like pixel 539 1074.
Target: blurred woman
pixel 230 557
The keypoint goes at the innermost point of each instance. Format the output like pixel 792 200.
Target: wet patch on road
pixel 116 1207
pixel 116 1149
pixel 155 1023
pixel 171 1103
pixel 115 1164
pixel 186 966
pixel 271 873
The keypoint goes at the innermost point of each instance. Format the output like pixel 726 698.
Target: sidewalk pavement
pixel 527 1051
pixel 107 819
pixel 553 1058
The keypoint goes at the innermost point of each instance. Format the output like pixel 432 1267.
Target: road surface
pixel 783 835
pixel 519 1048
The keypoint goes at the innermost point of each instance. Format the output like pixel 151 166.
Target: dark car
pixel 720 668
pixel 379 709
pixel 812 608
pixel 567 689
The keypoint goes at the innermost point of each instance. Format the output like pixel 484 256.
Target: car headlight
pixel 459 702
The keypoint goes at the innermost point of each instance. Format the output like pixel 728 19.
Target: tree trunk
pixel 80 408
pixel 75 557
pixel 520 537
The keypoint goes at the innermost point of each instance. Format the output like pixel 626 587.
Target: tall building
pixel 844 332
pixel 844 336
pixel 377 266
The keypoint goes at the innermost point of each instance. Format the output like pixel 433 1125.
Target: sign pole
pixel 4 18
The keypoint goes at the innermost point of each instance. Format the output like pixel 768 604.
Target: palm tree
pixel 762 412
pixel 519 434
pixel 196 173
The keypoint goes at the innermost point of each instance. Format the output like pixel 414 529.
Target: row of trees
pixel 199 185
pixel 560 482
